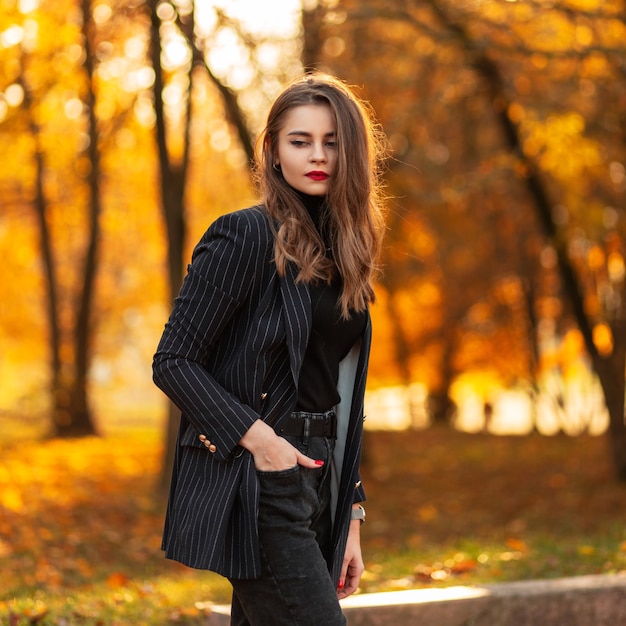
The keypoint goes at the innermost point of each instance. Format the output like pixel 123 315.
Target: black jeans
pixel 295 587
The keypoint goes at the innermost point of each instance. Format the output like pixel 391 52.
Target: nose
pixel 318 153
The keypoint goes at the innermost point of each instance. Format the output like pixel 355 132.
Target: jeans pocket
pixel 280 483
pixel 279 473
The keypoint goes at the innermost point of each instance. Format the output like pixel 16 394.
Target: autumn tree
pixel 69 340
pixel 74 128
pixel 173 178
pixel 603 331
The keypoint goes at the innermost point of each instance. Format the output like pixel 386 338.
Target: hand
pixel 273 453
pixel 352 567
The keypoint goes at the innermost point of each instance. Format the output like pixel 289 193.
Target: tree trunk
pixel 70 414
pixel 312 22
pixel 532 337
pixel 57 393
pixel 610 371
pixel 75 418
pixel 172 203
pixel 440 404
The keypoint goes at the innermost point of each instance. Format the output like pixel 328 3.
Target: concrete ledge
pixel 577 601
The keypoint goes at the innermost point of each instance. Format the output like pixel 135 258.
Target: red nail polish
pixel 319 462
pixel 341 584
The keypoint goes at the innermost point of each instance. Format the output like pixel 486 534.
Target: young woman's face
pixel 307 148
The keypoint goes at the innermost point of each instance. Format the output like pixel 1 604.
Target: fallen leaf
pixel 117 579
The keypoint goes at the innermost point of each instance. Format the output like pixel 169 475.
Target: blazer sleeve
pixel 221 274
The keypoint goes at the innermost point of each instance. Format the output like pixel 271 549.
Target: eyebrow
pixel 304 133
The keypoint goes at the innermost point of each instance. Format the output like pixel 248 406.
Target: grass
pixel 80 526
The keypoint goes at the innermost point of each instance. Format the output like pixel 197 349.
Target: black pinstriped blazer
pixel 230 354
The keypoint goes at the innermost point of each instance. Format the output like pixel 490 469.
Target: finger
pixel 350 577
pixel 341 587
pixel 347 586
pixel 307 461
pixel 350 586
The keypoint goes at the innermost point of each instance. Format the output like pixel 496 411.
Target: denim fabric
pixel 295 588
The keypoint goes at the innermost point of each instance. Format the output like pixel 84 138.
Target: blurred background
pixel 127 126
pixel 496 445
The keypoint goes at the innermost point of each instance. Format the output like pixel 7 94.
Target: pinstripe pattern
pixel 230 354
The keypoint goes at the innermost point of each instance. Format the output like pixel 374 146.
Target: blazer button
pixel 205 441
pixel 212 447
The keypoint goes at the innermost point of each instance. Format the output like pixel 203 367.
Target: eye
pixel 331 144
pixel 298 143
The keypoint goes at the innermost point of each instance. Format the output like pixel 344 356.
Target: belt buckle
pixel 330 427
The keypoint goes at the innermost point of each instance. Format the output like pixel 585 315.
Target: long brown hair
pixel 355 222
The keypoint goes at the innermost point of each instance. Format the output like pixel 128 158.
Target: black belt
pixel 305 424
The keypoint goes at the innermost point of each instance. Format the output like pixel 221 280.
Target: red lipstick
pixel 317 176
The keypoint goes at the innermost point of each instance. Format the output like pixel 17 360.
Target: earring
pixel 276 167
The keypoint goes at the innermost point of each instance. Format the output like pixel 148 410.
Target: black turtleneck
pixel 331 337
pixel 315 206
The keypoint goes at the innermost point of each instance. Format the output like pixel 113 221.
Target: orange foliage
pixel 131 301
pixel 65 509
pixel 462 244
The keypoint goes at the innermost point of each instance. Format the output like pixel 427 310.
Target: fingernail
pixel 319 462
pixel 341 583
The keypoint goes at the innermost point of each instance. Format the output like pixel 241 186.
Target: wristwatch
pixel 358 513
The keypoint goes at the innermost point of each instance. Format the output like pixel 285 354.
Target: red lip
pixel 317 175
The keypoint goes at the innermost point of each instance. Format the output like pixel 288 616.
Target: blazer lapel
pixel 298 316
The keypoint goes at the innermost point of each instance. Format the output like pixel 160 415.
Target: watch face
pixel 358 513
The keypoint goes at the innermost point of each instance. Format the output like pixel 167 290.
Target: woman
pixel 265 353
